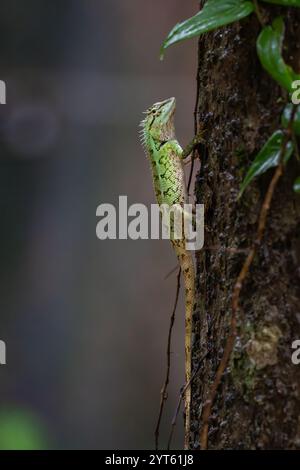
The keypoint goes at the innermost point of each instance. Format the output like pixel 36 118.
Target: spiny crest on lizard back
pixel 159 122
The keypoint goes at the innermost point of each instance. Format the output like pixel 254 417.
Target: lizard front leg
pixel 198 139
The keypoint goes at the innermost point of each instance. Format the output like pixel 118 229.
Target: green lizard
pixel 166 157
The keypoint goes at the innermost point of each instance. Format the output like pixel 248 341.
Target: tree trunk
pixel 257 405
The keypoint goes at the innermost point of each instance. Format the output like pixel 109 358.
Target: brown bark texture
pixel 257 405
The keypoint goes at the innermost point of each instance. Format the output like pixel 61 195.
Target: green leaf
pixel 269 49
pixel 267 158
pixel 214 14
pixel 287 3
pixel 286 116
pixel 296 186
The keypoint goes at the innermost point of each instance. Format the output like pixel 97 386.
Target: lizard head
pixel 159 120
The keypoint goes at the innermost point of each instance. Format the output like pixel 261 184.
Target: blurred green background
pixel 85 321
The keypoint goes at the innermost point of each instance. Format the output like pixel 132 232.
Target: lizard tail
pixel 188 271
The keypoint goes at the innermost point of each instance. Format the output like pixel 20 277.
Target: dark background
pixel 85 321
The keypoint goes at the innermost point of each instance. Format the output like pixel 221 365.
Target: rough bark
pixel 258 401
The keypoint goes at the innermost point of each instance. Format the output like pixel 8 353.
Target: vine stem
pixel 258 13
pixel 194 153
pixel 181 397
pixel 296 147
pixel 262 221
pixel 163 393
pixel 235 306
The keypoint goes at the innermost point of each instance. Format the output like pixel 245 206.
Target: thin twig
pixel 258 13
pixel 296 147
pixel 163 393
pixel 224 249
pixel 181 397
pixel 238 287
pixel 195 122
pixel 172 271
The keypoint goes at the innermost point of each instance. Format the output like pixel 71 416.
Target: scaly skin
pixel 166 157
